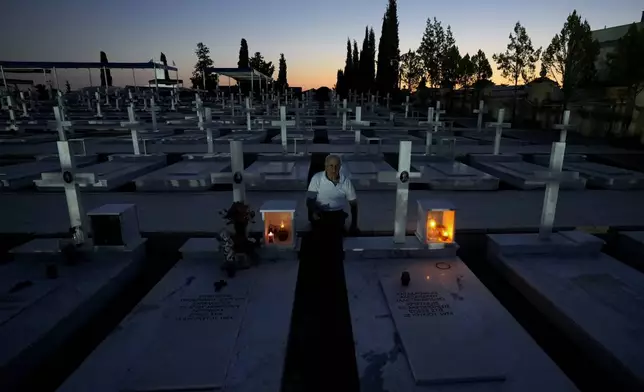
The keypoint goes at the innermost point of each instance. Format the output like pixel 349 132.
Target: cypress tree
pixel 243 54
pixel 364 62
pixel 282 83
pixel 388 50
pixel 356 66
pixel 371 71
pixel 348 67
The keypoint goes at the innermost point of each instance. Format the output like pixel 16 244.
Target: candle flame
pixel 432 223
pixel 282 225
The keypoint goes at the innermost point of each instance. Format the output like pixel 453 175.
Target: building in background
pixel 607 38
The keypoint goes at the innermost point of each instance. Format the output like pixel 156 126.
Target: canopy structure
pixel 243 75
pixel 51 66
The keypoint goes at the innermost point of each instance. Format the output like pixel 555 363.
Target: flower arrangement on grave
pixel 240 249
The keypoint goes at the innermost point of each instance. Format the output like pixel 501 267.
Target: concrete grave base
pixel 598 175
pixel 23 174
pixel 511 168
pixel 199 330
pixel 445 174
pixel 118 171
pixel 283 172
pixel 385 248
pixel 443 332
pixel 191 175
pixel 47 310
pixel 597 301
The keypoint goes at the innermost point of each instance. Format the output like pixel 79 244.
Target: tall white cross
pixel 387 101
pixel 248 119
pixel 232 104
pixel 432 124
pixel 23 102
pixel 406 105
pixel 237 175
pixel 99 114
pixel 75 210
pixel 344 110
pixel 401 178
pixel 358 122
pixel 553 177
pixel 13 125
pixel 172 101
pixel 498 126
pixel 206 125
pixel 61 123
pixel 283 124
pixel 564 127
pixel 134 127
pixel 479 111
pixel 153 111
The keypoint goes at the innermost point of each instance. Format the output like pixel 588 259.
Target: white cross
pixel 13 125
pixel 206 125
pixel 283 124
pixel 479 111
pixel 153 111
pixel 107 98
pixel 433 125
pixel 297 114
pixel 172 101
pixel 248 119
pixel 99 114
pixel 25 114
pixel 134 127
pixel 406 104
pixel 564 127
pixel 401 178
pixel 358 120
pixel 61 124
pixel 498 126
pixel 237 175
pixel 77 217
pixel 553 177
pixel 387 101
pixel 344 110
pixel 232 104
pixel 377 98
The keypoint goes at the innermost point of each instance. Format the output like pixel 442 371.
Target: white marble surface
pixel 597 301
pixel 385 348
pixel 249 357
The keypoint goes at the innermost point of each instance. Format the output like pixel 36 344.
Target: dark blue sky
pixel 311 34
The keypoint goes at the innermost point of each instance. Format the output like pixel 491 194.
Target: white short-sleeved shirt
pixel 329 196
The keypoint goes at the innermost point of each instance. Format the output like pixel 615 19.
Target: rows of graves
pixel 412 300
pixel 448 158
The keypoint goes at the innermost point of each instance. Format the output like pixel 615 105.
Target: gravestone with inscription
pixel 443 330
pixel 597 301
pixel 197 329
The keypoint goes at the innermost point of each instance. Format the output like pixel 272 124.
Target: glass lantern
pixel 436 223
pixel 279 223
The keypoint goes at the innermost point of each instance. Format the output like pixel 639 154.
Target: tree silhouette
pixel 388 50
pixel 68 87
pixel 625 66
pixel 570 57
pixel 348 68
pixel 411 70
pixel 106 75
pixel 243 54
pixel 434 46
pixel 257 62
pixel 466 74
pixel 282 83
pixel 518 61
pixel 203 63
pixel 356 67
pixel 340 85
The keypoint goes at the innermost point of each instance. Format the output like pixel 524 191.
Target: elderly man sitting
pixel 327 196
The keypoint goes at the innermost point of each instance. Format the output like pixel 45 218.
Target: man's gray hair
pixel 332 156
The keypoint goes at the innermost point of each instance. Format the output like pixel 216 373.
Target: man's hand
pixel 315 216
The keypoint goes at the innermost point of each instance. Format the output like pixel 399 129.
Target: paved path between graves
pixel 253 148
pixel 46 213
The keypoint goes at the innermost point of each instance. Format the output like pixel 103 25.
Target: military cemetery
pixel 417 227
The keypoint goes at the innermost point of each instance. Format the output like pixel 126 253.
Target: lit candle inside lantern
pixel 270 237
pixel 282 225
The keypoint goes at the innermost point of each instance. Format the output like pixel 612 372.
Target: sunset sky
pixel 311 34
